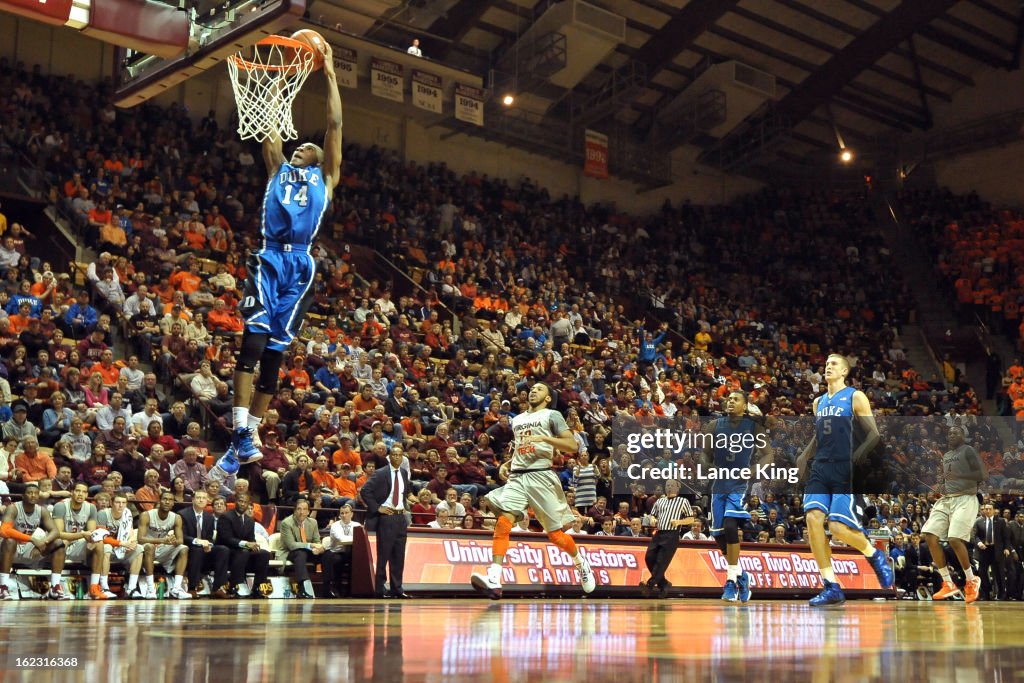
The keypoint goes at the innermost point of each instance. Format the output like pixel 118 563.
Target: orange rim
pixel 280 41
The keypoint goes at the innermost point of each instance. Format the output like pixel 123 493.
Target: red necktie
pixel 394 491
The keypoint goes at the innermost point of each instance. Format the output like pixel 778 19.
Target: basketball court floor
pixel 514 640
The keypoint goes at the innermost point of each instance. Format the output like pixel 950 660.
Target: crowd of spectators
pixel 127 378
pixel 979 252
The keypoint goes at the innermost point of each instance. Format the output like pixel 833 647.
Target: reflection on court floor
pixel 514 641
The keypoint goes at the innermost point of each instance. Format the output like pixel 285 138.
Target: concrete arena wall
pixel 995 174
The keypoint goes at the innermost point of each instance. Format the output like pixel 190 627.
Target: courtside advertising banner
pixel 443 562
pixel 595 163
pixel 345 67
pixel 386 80
pixel 427 91
pixel 469 104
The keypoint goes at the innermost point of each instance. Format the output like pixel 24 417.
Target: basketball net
pixel 265 79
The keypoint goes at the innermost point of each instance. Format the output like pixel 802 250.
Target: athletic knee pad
pixel 732 530
pixel 252 348
pixel 270 366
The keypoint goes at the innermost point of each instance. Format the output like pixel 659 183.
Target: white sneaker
pixel 110 595
pixel 486 585
pixel 586 575
pixel 57 592
pixel 180 594
pixel 149 593
pixel 137 593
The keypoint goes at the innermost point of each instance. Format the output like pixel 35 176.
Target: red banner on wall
pixel 444 561
pixel 595 162
pixel 54 12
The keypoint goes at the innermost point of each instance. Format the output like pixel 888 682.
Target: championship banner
pixel 469 104
pixel 595 163
pixel 345 67
pixel 427 91
pixel 386 80
pixel 444 561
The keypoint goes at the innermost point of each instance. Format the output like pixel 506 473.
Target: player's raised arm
pixel 862 414
pixel 332 140
pixel 273 155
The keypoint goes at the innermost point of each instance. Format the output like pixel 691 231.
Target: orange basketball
pixel 316 43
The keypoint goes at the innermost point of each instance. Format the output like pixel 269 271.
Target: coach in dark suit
pixel 384 495
pixel 197 527
pixel 237 530
pixel 991 538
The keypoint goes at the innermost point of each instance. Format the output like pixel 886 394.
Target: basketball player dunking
pixel 831 457
pixel 532 483
pixel 279 287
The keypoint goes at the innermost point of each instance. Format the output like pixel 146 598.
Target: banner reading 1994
pixel 386 80
pixel 427 91
pixel 469 104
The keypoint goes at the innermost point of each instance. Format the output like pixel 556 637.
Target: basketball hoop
pixel 265 79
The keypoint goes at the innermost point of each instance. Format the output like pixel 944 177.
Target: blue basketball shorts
pixel 277 295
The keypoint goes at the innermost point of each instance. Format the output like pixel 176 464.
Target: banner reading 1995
pixel 345 67
pixel 386 80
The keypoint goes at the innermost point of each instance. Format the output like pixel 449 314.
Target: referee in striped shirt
pixel 670 512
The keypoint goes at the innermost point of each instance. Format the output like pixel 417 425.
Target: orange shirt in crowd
pixel 186 281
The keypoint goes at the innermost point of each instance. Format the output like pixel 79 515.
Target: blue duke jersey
pixel 294 205
pixel 279 288
pixel 738 457
pixel 833 426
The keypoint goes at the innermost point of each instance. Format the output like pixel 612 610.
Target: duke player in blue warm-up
pixel 279 287
pixel 831 457
pixel 728 496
